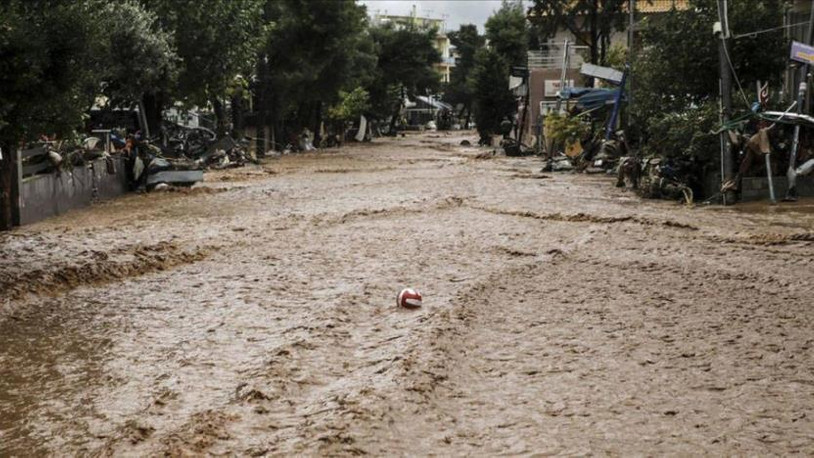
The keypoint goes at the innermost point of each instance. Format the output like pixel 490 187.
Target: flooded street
pixel 256 315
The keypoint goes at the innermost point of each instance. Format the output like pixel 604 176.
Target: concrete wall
pixel 43 196
pixel 757 188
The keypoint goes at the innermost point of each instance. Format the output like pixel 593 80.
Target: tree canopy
pixel 677 72
pixel 216 41
pixel 460 89
pixel 138 55
pixel 404 67
pixel 310 55
pixel 507 33
pixel 48 50
pixel 493 100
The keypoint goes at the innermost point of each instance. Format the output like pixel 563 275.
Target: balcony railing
pixel 550 56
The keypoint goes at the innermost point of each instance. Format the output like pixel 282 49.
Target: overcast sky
pixel 456 12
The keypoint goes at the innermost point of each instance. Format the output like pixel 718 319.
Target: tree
pixel 216 40
pixel 591 22
pixel 314 50
pixel 138 57
pixel 404 68
pixel 351 106
pixel 493 100
pixel 460 89
pixel 678 70
pixel 49 80
pixel 507 32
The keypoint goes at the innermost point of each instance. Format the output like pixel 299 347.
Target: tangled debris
pixel 177 157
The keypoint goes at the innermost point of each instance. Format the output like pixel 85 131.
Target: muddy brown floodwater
pixel 256 316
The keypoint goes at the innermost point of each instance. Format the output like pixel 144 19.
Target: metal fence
pixel 550 55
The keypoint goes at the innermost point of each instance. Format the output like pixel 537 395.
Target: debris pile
pixel 177 157
pixel 226 153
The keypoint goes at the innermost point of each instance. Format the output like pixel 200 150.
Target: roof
pixel 645 6
pixel 660 6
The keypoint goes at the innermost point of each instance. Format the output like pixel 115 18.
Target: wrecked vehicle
pixel 147 168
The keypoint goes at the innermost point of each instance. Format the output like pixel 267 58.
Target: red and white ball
pixel 409 298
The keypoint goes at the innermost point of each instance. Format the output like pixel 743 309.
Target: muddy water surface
pixel 256 316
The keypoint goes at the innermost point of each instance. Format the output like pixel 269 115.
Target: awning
pixel 590 98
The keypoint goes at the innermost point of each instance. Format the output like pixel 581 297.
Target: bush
pixel 566 130
pixel 685 134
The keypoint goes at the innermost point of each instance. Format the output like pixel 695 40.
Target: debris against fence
pixel 178 156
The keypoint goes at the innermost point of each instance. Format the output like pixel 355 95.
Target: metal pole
pixel 802 95
pixel 723 136
pixel 769 175
pixel 726 100
pixel 17 190
pixel 766 154
pixel 562 75
pixel 617 104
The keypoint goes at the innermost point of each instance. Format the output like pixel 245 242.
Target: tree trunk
pixel 237 117
pixel 9 187
pixel 317 124
pixel 396 114
pixel 393 120
pixel 220 116
pixel 260 106
pixel 262 126
pixel 153 106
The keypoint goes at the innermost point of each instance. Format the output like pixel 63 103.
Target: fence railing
pixel 550 55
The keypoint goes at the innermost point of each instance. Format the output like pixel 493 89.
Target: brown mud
pixel 102 267
pixel 257 316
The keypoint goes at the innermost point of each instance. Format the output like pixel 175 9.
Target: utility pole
pixel 721 30
pixel 802 97
pixel 563 74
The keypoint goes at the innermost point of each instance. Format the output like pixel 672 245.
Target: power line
pixel 737 80
pixel 758 32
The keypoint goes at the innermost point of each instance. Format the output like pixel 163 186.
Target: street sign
pixel 801 52
pixel 552 87
pixel 604 73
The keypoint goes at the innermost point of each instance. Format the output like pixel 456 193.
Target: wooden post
pixel 10 170
pixel 16 188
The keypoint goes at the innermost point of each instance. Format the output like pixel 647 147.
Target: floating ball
pixel 409 298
